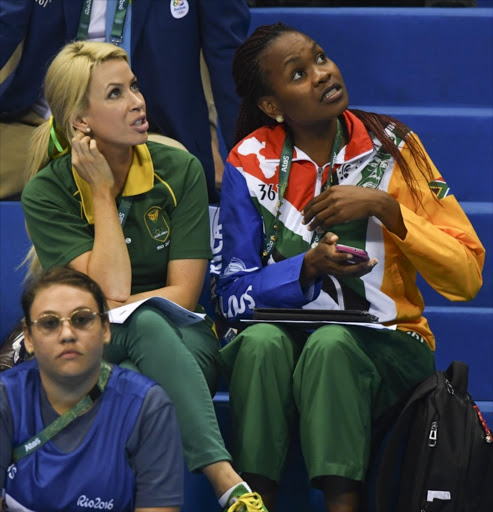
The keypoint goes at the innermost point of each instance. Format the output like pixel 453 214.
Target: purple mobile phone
pixel 359 255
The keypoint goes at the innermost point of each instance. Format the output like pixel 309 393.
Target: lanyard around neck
pixel 284 170
pixel 123 209
pixel 38 440
pixel 116 36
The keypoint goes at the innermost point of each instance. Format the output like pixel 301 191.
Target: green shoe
pixel 244 501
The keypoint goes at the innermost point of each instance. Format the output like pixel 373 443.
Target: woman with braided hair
pixel 307 174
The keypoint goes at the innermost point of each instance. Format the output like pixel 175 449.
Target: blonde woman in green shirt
pixel 133 216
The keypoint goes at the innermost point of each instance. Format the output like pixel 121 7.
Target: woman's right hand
pixel 108 262
pixel 325 259
pixel 90 163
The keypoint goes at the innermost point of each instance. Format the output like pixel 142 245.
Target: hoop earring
pixel 280 119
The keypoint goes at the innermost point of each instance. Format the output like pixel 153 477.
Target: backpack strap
pixel 458 376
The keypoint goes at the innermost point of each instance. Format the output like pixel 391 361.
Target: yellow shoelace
pixel 249 502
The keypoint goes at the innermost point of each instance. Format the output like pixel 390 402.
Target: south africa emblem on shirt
pixel 156 224
pixel 440 188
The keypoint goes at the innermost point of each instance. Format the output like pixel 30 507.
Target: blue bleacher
pixel 431 68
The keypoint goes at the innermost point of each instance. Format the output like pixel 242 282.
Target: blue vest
pixel 97 475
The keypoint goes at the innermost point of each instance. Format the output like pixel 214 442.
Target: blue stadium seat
pixel 14 245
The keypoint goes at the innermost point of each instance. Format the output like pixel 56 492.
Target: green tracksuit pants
pixel 184 362
pixel 335 382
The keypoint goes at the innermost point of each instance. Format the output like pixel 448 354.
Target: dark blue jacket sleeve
pixel 224 26
pixel 44 26
pixel 14 20
pixel 244 283
pixel 166 60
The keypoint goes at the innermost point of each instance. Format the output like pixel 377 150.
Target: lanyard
pixel 284 170
pixel 123 209
pixel 116 36
pixel 54 143
pixel 38 440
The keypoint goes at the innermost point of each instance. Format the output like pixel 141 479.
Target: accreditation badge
pixel 179 8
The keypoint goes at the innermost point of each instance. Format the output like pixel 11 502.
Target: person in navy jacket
pixel 164 42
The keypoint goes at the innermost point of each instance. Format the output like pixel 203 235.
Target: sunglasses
pixel 80 319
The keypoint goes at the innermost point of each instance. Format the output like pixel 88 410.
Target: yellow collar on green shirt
pixel 140 179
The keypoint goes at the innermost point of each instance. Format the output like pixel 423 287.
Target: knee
pixel 332 343
pixel 149 324
pixel 263 341
pixel 333 351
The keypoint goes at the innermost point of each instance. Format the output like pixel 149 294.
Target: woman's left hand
pixel 339 204
pixel 343 203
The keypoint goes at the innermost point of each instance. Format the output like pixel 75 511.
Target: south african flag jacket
pixel 440 244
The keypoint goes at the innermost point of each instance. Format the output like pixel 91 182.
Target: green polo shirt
pixel 168 218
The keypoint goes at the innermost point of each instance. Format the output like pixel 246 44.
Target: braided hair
pixel 251 85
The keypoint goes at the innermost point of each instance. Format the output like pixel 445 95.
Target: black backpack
pixel 438 455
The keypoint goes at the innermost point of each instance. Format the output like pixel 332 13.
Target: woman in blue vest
pixel 76 431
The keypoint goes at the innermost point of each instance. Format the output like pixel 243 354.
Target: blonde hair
pixel 66 87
